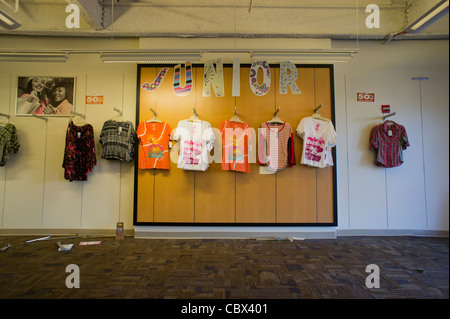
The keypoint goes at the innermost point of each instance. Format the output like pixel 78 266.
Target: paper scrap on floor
pixel 64 247
pixel 5 248
pixel 88 243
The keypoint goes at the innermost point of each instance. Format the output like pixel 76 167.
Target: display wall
pixel 411 199
pixel 298 195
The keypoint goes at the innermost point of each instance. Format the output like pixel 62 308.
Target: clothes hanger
pixel 120 113
pixel 235 118
pixel 389 122
pixel 194 117
pixel 155 118
pixel 316 114
pixel 275 119
pixel 79 116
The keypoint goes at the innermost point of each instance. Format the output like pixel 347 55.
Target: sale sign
pixel 385 109
pixel 97 99
pixel 365 97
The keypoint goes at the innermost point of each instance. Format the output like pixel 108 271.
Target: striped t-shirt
pixel 276 145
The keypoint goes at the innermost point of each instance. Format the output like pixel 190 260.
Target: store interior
pixel 358 63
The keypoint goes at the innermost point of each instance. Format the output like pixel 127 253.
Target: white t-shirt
pixel 196 140
pixel 318 138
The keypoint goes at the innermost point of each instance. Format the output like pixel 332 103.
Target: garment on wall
pixel 235 146
pixel 154 144
pixel 276 146
pixel 8 142
pixel 79 154
pixel 196 140
pixel 388 139
pixel 319 137
pixel 118 140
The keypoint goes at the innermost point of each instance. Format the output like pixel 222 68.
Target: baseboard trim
pixel 234 235
pixel 198 234
pixel 62 232
pixel 392 232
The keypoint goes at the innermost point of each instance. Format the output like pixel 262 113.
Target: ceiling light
pixel 429 17
pixel 150 57
pixel 306 57
pixel 7 22
pixel 24 57
pixel 16 6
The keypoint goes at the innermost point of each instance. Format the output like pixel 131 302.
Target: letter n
pixel 214 78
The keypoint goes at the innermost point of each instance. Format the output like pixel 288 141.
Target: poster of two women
pixel 45 95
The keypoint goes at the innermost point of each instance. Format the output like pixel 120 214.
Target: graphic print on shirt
pixel 234 147
pixel 192 152
pixel 317 127
pixel 156 151
pixel 236 154
pixel 314 148
pixel 193 148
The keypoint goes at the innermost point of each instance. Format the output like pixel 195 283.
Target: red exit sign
pixel 365 97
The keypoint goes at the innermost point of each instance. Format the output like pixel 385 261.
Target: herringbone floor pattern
pixel 410 267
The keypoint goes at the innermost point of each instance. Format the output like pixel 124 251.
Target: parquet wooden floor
pixel 410 267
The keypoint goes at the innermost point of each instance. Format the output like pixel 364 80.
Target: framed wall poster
pixel 45 95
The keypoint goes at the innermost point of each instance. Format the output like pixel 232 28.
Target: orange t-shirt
pixel 154 145
pixel 235 139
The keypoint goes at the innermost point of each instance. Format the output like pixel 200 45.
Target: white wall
pixel 35 196
pixel 414 195
pixel 33 191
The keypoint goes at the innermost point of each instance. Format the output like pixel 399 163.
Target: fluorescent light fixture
pixel 432 15
pixel 306 57
pixel 15 8
pixel 150 57
pixel 7 22
pixel 27 57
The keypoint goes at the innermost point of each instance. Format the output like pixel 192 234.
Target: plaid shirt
pixel 8 142
pixel 118 140
pixel 389 139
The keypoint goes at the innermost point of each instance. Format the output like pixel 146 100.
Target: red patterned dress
pixel 79 154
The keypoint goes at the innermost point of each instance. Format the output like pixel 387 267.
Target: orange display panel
pixel 297 195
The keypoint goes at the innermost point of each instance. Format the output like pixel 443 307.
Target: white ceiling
pixel 337 19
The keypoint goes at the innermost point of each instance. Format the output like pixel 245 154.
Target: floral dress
pixel 79 154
